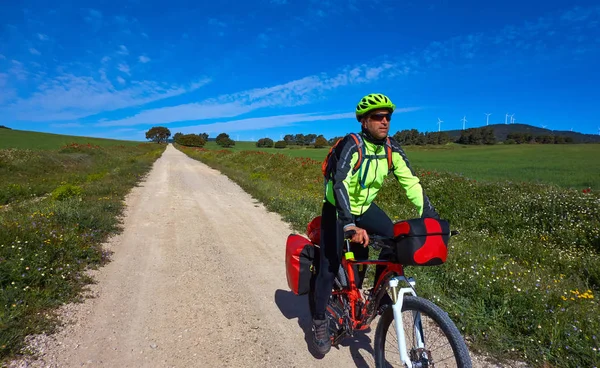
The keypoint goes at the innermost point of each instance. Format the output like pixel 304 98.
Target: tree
pixel 333 140
pixel 223 140
pixel 310 139
pixel 289 139
pixel 320 142
pixel 299 139
pixel 204 136
pixel 280 144
pixel 191 140
pixel 177 136
pixel 264 142
pixel 158 134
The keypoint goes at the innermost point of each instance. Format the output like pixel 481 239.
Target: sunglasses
pixel 379 117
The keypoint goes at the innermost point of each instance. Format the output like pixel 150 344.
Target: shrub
pixel 66 191
pixel 264 142
pixel 320 142
pixel 280 144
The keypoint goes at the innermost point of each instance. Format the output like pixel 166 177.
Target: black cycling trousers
pixel 374 221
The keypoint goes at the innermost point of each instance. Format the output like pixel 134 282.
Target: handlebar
pixel 378 242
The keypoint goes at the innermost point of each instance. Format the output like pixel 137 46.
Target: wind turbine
pixel 487 119
pixel 464 120
pixel 506 119
pixel 440 121
pixel 544 126
pixel 598 130
pixel 512 121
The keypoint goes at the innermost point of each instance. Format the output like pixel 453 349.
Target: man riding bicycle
pixel 349 195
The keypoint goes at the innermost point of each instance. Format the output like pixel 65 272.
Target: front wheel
pixel 443 346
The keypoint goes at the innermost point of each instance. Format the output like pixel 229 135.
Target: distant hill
pixel 501 131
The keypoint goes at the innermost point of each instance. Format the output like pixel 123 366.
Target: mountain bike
pixel 408 331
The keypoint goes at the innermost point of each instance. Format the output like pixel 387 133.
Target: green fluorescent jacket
pixel 344 190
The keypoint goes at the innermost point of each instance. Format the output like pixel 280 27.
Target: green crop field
pixel 10 138
pixel 565 165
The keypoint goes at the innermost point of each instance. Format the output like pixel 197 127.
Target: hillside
pixel 23 139
pixel 501 131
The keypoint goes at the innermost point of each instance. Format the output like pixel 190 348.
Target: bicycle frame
pixel 352 292
pixel 392 274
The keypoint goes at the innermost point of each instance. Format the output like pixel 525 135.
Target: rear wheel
pixel 443 345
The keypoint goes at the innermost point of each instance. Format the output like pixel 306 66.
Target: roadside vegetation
pixel 522 280
pixel 58 204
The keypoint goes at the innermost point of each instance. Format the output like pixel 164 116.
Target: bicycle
pixel 349 311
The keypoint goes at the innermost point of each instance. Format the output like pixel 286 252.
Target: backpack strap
pixel 361 147
pixel 388 151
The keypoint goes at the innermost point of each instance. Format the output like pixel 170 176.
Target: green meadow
pixel 10 138
pixel 565 165
pixel 60 199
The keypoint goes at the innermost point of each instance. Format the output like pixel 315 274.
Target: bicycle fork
pixel 398 298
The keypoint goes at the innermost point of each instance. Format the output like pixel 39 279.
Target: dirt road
pixel 197 279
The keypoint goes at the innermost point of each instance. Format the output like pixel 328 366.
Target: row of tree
pixel 162 134
pixel 474 136
pixel 414 137
pixel 305 140
pixel 521 138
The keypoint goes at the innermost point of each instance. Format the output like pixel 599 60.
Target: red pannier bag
pixel 300 255
pixel 422 241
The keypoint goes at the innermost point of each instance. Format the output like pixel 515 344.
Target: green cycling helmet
pixel 371 102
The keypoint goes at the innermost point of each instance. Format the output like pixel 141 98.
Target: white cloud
pixel 67 125
pixel 123 50
pixel 187 112
pixel 95 13
pixel 2 57
pixel 17 70
pixel 144 34
pixel 144 59
pixel 120 80
pixel 294 93
pixel 123 67
pixel 42 37
pixel 121 19
pixel 69 97
pixel 6 93
pixel 216 22
pixel 105 59
pixel 94 17
pixel 260 123
pixel 34 51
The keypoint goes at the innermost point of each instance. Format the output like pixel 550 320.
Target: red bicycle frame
pixel 353 294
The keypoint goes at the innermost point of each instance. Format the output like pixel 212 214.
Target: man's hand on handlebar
pixel 357 235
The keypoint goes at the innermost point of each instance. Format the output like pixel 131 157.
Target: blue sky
pixel 268 68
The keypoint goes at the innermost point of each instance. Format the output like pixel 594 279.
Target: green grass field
pixel 10 138
pixel 564 165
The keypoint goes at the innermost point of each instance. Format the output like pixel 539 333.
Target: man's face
pixel 377 123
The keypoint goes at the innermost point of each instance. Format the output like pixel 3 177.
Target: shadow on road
pixel 296 306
